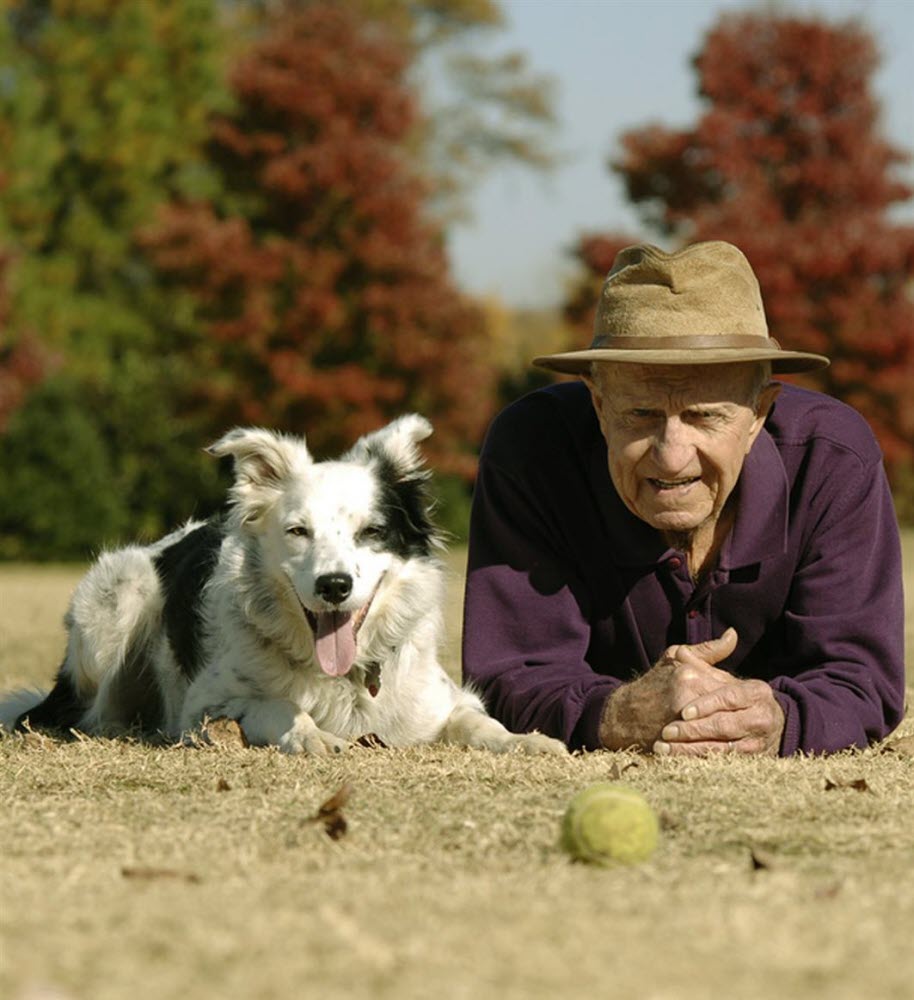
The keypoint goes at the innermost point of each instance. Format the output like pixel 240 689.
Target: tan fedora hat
pixel 700 305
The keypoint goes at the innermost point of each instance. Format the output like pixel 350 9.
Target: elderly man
pixel 676 553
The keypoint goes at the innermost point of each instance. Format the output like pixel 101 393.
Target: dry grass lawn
pixel 133 871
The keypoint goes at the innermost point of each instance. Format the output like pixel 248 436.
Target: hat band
pixel 686 342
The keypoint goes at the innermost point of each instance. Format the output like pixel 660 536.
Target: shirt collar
pixel 759 529
pixel 763 492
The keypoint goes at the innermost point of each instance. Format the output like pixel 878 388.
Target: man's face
pixel 677 436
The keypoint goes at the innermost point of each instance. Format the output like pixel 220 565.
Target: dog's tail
pixel 17 704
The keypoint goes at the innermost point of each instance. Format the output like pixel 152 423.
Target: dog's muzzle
pixel 336 632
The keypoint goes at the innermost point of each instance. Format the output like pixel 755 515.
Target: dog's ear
pixel 262 458
pixel 262 461
pixel 397 443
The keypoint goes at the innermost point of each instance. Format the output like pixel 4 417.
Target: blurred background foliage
pixel 224 212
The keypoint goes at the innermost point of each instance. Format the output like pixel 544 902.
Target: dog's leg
pixel 16 708
pixel 469 725
pixel 281 723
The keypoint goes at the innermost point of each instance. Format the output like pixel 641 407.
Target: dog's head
pixel 332 529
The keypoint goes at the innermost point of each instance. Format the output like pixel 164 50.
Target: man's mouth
pixel 673 484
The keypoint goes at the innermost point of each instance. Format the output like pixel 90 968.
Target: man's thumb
pixel 715 650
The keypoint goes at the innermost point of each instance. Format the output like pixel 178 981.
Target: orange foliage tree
pixel 787 161
pixel 322 287
pixel 23 361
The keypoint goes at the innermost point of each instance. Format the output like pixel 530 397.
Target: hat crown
pixel 700 305
pixel 706 290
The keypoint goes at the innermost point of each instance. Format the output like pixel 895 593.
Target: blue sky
pixel 618 64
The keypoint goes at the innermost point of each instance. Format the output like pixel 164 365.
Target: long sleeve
pixel 843 624
pixel 526 633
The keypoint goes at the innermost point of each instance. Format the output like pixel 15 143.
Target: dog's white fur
pixel 292 521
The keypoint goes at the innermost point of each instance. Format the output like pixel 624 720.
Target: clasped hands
pixel 686 705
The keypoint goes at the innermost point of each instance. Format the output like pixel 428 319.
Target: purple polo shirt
pixel 569 594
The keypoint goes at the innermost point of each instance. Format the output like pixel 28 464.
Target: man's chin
pixel 675 522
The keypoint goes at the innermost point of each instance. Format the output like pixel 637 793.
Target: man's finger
pixel 722 727
pixel 706 748
pixel 728 698
pixel 714 650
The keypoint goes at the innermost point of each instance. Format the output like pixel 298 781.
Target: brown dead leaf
pixel 371 741
pixel 857 784
pixel 761 859
pixel 904 745
pixel 668 821
pixel 330 813
pixel 37 741
pixel 223 786
pixel 617 769
pixel 142 872
pixel 223 732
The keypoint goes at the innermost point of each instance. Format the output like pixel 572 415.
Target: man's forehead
pixel 695 383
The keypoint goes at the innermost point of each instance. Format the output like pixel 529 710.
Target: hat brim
pixel 782 362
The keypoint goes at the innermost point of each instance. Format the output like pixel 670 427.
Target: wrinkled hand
pixel 637 713
pixel 741 717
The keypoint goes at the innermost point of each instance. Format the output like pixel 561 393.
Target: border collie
pixel 310 613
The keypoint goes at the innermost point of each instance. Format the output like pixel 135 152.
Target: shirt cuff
pixel 790 738
pixel 586 734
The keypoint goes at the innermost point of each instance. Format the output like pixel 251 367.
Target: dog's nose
pixel 333 587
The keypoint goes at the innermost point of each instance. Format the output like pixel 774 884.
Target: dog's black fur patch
pixel 404 507
pixel 184 570
pixel 133 695
pixel 62 709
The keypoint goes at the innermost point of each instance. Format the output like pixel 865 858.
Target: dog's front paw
pixel 535 743
pixel 310 740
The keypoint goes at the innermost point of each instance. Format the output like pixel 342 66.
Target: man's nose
pixel 673 446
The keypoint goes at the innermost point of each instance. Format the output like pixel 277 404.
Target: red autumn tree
pixel 322 287
pixel 23 361
pixel 787 161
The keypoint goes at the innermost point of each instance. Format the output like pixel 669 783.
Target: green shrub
pixel 58 491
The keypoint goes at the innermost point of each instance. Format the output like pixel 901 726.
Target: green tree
pixel 103 111
pixel 71 513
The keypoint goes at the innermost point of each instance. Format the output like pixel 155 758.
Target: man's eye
pixel 299 530
pixel 706 416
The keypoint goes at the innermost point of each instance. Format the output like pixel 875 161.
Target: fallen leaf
pixel 904 745
pixel 330 813
pixel 150 874
pixel 223 786
pixel 761 859
pixel 668 821
pixel 828 891
pixel 857 784
pixel 223 732
pixel 617 769
pixel 35 740
pixel 372 741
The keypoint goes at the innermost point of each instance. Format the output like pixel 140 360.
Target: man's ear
pixel 597 398
pixel 766 399
pixel 763 406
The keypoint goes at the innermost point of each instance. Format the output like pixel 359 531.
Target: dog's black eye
pixel 371 533
pixel 299 530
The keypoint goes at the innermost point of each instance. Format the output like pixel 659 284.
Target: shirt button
pixel 674 563
pixel 694 613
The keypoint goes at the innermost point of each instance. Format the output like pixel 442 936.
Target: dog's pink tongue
pixel 335 642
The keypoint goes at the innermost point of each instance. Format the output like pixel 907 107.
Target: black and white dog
pixel 310 613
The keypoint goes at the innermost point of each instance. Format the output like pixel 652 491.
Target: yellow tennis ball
pixel 608 824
